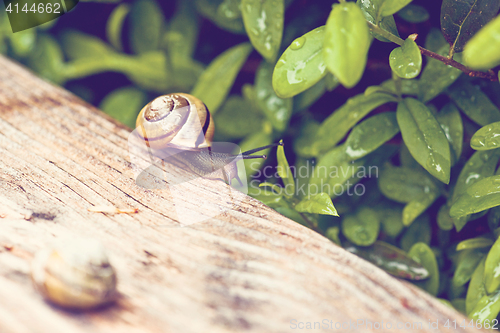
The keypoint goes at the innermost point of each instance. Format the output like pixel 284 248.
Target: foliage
pixel 404 148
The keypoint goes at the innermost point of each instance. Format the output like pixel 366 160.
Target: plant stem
pixel 490 75
pixel 386 34
pixel 452 52
pixel 397 83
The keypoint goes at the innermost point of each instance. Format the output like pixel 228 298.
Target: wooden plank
pixel 245 269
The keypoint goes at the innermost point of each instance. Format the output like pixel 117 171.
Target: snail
pixel 75 274
pixel 180 125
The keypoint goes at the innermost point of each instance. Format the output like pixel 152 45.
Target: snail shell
pixel 176 120
pixel 180 126
pixel 75 274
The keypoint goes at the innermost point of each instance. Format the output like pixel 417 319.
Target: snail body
pixel 180 125
pixel 75 274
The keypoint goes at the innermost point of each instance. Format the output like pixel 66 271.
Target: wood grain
pixel 248 269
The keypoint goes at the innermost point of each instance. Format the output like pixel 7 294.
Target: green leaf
pixel 379 89
pixel 115 24
pixel 264 25
pixel 410 186
pixel 332 234
pixel 292 214
pixel 474 103
pixel 418 231
pixel 408 87
pixel 371 134
pixel 414 14
pixel 460 20
pixel 305 138
pixel 362 228
pixel 487 308
pixel 347 40
pixel 269 198
pixel 390 7
pixel 91 65
pixel 308 97
pixel 224 13
pixel 276 188
pixel 78 45
pixel 480 165
pixel 474 243
pixel 468 260
pixel 494 219
pixel 318 204
pixel 371 11
pixel 185 75
pixel 216 81
pixel 331 82
pixel 335 174
pixel 23 42
pixel 436 42
pixel 304 169
pixel 424 138
pixel 148 70
pixel 181 37
pixel 422 253
pixel 406 61
pixel 124 104
pixel 47 59
pixel 237 119
pixel 487 137
pixel 416 207
pixel 286 175
pixel 492 267
pixel 301 65
pixel 476 288
pixel 276 109
pixel 146 26
pixel 179 41
pixel 388 24
pixel 451 123
pixel 406 159
pixel 482 195
pixel 332 171
pixel 446 302
pixel 336 126
pixel 437 76
pixel 444 220
pixel 391 259
pixel 391 218
pixel 459 304
pixel 481 52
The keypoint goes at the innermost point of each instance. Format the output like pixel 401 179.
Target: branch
pixel 489 75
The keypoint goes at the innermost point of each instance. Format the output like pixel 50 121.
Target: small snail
pixel 75 274
pixel 180 125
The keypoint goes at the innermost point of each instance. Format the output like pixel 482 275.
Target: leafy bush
pixel 422 204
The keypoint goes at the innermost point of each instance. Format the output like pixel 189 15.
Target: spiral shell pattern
pixel 176 120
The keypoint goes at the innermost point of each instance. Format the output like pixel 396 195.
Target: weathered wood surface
pixel 248 269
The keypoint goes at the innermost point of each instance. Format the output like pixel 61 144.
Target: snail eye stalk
pixel 247 157
pixel 246 153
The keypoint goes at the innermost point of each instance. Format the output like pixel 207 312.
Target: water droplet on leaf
pixel 298 43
